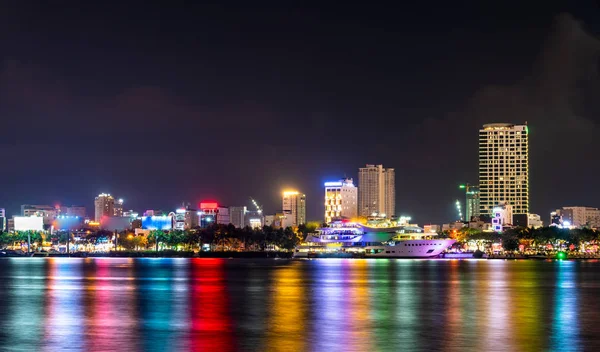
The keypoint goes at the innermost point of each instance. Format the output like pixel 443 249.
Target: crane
pixel 258 208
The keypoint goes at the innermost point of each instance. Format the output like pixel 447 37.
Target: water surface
pixel 52 304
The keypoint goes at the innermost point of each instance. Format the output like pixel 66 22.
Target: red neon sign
pixel 208 205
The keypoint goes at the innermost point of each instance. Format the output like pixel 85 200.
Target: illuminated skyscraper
pixel 104 205
pixel 294 207
pixel 341 200
pixel 504 169
pixel 376 191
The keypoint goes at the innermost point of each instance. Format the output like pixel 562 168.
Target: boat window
pixel 429 251
pixel 393 251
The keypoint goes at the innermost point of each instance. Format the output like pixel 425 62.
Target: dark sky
pixel 161 104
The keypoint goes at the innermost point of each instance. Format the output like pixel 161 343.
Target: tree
pixel 510 243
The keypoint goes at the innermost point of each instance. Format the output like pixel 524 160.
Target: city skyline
pixel 161 119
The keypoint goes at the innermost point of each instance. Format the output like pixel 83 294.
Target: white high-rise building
pixel 504 169
pixel 104 205
pixel 341 200
pixel 294 207
pixel 376 191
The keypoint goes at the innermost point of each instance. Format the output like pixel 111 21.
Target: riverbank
pixel 148 254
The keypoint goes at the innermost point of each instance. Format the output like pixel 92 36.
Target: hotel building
pixel 294 207
pixel 341 200
pixel 504 170
pixel 104 205
pixel 376 191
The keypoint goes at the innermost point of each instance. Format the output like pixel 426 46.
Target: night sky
pixel 160 104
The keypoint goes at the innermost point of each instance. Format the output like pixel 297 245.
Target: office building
pixel 472 201
pixel 73 210
pixel 294 208
pixel 578 217
pixel 104 205
pixel 376 191
pixel 45 211
pixel 341 200
pixel 211 212
pixel 118 208
pixel 237 216
pixel 534 221
pixel 504 170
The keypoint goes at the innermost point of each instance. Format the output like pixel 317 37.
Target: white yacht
pixel 345 239
pixel 410 242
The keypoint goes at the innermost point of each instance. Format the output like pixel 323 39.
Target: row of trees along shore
pixel 540 239
pixel 218 237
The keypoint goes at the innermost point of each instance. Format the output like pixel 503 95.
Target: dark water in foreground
pixel 279 305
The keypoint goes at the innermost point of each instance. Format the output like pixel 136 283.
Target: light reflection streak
pixel 27 297
pixel 112 321
pixel 162 302
pixel 358 304
pixel 211 327
pixel 454 307
pixel 565 320
pixel 407 313
pixel 498 320
pixel 286 329
pixel 63 305
pixel 331 304
pixel 525 305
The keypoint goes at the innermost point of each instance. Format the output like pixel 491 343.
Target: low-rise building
pixel 577 217
pixel 534 221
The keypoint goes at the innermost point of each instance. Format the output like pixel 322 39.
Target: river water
pixel 53 304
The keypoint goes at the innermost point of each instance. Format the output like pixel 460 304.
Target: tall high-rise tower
pixel 376 191
pixel 504 169
pixel 294 207
pixel 104 205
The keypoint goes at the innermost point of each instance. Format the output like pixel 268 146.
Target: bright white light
pixel 180 211
pixel 567 223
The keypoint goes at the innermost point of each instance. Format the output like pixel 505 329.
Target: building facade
pixel 73 210
pixel 118 208
pixel 341 200
pixel 294 208
pixel 104 205
pixel 237 216
pixel 472 202
pixel 254 219
pixel 579 216
pixel 535 221
pixel 376 191
pixel 504 169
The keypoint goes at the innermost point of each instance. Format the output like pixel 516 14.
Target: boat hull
pixel 410 249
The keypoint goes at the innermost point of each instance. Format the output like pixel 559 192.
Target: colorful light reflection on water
pixel 320 305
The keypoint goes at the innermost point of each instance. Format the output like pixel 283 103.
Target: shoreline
pixel 279 256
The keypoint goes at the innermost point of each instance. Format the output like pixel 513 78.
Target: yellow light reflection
pixel 286 328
